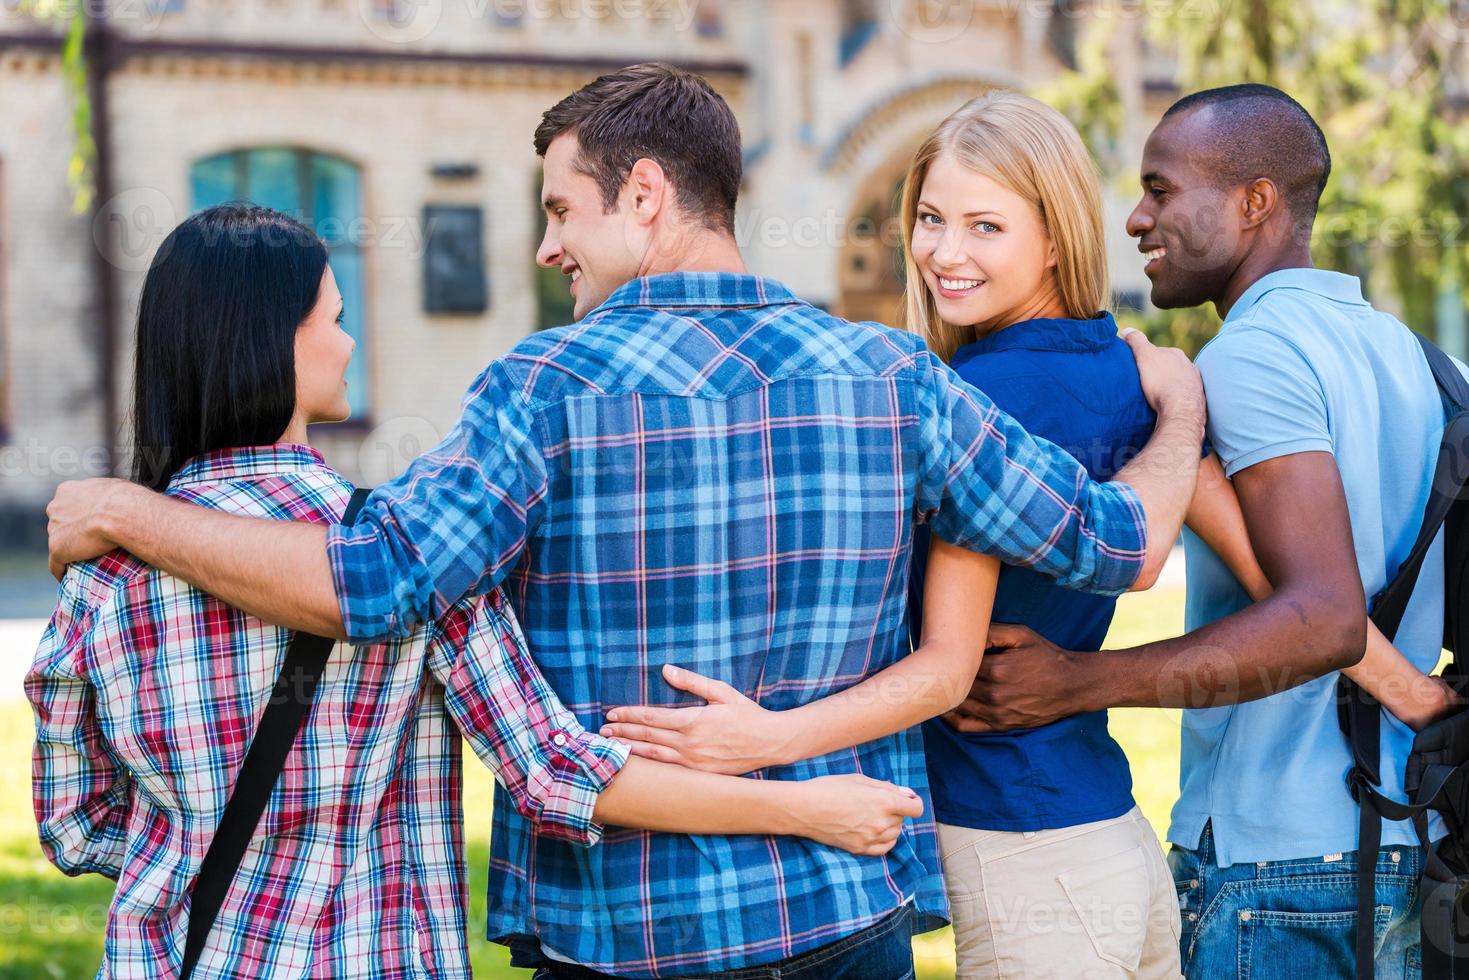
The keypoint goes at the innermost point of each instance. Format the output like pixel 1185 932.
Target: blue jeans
pixel 882 951
pixel 1293 919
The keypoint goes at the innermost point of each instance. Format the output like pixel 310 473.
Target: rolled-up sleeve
pixel 988 485
pixel 551 766
pixel 80 790
pixel 451 526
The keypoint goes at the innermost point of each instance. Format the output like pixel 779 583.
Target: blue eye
pixel 988 227
pixel 924 219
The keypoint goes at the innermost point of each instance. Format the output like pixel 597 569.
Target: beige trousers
pixel 1079 903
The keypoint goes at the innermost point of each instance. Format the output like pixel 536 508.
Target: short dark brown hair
pixel 663 113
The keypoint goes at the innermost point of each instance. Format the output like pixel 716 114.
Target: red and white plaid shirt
pixel 147 693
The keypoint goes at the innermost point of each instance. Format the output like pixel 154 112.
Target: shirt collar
pixel 245 462
pixel 699 289
pixel 1334 286
pixel 1044 333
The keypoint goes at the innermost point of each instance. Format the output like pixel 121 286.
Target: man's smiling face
pixel 1187 224
pixel 595 248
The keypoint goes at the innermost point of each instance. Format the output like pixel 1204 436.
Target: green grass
pixel 1150 735
pixel 51 926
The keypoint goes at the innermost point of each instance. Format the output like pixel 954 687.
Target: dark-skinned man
pixel 1327 419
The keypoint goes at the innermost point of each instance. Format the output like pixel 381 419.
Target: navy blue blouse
pixel 1075 383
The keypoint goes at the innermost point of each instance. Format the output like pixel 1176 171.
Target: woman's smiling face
pixel 982 249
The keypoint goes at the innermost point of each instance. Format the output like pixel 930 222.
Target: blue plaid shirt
pixel 708 471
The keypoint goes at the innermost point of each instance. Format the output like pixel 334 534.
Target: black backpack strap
pixel 290 700
pixel 1360 714
pixel 1363 723
pixel 1451 382
pixel 1449 478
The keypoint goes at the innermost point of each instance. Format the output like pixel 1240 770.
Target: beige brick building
pixel 372 117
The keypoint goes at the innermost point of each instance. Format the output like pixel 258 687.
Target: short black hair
pixel 663 113
pixel 216 339
pixel 1259 131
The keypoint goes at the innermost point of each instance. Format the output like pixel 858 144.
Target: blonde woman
pixel 1051 869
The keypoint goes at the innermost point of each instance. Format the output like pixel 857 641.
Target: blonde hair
pixel 1033 150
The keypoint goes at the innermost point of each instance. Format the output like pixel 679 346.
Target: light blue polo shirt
pixel 1302 364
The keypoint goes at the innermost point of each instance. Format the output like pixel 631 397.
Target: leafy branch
pixel 71 16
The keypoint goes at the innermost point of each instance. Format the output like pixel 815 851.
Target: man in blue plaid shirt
pixel 702 470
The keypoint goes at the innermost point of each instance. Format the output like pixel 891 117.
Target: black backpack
pixel 1437 774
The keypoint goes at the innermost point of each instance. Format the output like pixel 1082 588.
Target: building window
pixel 709 19
pixel 805 90
pixel 323 192
pixel 859 25
pixel 454 260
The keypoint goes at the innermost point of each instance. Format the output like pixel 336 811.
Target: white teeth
pixel 1156 253
pixel 576 275
pixel 958 283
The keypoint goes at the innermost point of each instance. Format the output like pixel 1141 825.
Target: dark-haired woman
pixel 147 692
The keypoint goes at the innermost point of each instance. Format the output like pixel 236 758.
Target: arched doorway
pixel 871 270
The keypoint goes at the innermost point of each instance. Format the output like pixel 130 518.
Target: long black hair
pixel 216 353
